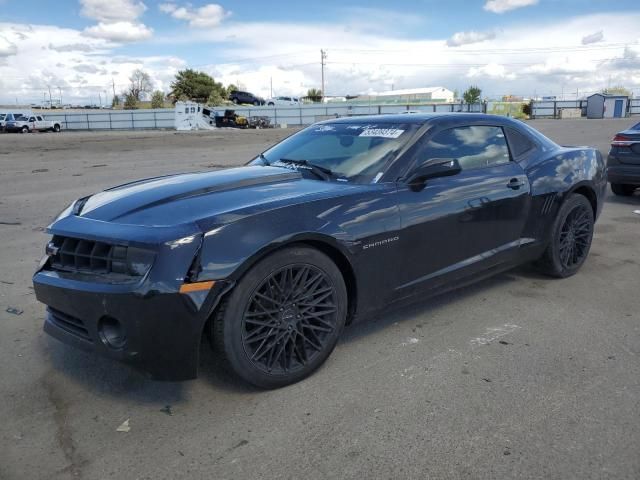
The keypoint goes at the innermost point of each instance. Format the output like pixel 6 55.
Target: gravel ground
pixel 519 376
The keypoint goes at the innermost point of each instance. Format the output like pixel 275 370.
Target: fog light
pixel 112 333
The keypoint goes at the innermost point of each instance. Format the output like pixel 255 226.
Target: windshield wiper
pixel 319 171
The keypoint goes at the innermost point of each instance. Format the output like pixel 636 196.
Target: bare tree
pixel 140 84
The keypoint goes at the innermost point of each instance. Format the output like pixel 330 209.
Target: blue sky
pixel 520 47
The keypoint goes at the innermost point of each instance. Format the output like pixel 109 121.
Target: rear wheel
pixel 622 189
pixel 571 236
pixel 56 128
pixel 283 319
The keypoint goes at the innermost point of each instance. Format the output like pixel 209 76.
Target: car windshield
pixel 22 118
pixel 354 152
pixel 636 127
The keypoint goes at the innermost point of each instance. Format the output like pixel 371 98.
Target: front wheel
pixel 283 318
pixel 623 189
pixel 24 129
pixel 570 241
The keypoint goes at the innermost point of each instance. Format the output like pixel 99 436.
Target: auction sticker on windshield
pixel 381 132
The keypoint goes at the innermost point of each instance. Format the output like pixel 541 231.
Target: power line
pixel 533 50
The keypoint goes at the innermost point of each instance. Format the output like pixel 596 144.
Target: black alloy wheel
pixel 283 318
pixel 289 319
pixel 570 238
pixel 575 236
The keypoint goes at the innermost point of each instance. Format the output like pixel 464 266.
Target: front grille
pixel 77 255
pixel 69 324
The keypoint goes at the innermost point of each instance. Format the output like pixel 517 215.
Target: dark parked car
pixel 623 162
pixel 340 220
pixel 245 97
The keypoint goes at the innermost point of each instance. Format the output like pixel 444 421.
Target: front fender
pixel 340 225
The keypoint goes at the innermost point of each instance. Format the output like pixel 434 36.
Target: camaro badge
pixel 380 242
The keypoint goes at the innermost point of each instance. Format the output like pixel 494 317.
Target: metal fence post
pixel 155 121
pixel 555 109
pixel 300 112
pixel 133 122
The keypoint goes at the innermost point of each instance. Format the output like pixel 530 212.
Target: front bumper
pixel 162 329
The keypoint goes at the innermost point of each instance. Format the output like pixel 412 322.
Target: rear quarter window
pixel 519 143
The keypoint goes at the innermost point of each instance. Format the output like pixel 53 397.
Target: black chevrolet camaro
pixel 340 220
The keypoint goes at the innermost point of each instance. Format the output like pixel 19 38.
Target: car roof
pixel 422 118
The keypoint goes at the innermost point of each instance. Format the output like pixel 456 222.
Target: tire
pixel 264 331
pixel 570 239
pixel 24 129
pixel 56 128
pixel 270 104
pixel 234 100
pixel 623 189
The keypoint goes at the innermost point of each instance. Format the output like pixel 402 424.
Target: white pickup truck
pixel 26 124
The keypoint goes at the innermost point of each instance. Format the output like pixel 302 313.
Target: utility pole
pixel 60 92
pixel 113 84
pixel 99 99
pixel 323 58
pixel 50 104
pixel 271 87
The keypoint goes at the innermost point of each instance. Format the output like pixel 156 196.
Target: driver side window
pixel 474 146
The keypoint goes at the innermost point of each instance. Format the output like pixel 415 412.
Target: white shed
pixel 600 105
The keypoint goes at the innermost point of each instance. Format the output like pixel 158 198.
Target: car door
pixel 462 224
pixel 40 123
pixel 32 123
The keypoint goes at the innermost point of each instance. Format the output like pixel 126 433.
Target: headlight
pixel 131 260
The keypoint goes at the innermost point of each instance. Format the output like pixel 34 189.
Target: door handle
pixel 515 184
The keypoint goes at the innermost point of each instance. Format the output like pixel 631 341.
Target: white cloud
pixel 491 70
pixel 112 10
pixel 74 47
pixel 630 60
pixel 501 6
pixel 207 16
pixel 117 20
pixel 593 38
pixel 7 48
pixel 546 59
pixel 81 73
pixel 120 31
pixel 465 38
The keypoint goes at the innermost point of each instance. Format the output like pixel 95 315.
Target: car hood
pixel 210 198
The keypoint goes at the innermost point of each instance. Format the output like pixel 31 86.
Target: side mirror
pixel 434 168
